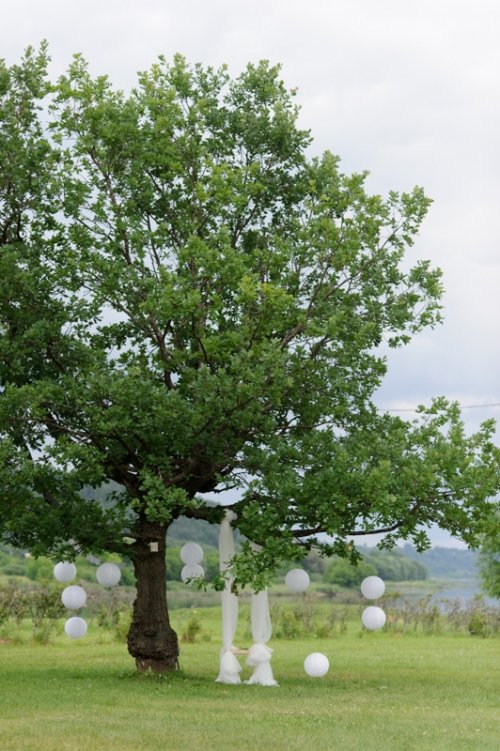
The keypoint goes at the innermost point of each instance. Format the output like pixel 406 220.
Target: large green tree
pixel 489 559
pixel 189 304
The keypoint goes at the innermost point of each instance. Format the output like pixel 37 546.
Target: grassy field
pixel 383 691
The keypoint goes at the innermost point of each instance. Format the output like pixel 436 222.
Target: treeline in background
pixel 399 564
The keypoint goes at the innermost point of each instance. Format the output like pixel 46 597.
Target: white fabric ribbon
pixel 259 654
pixel 230 668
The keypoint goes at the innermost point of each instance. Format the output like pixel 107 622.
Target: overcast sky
pixel 407 90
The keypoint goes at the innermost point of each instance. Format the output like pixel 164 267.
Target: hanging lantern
pixel 373 618
pixel 316 665
pixel 191 552
pixel 74 597
pixel 75 627
pixel 192 571
pixel 372 587
pixel 64 571
pixel 297 580
pixel 108 574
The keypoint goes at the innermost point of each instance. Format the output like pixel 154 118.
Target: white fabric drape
pixel 230 668
pixel 259 654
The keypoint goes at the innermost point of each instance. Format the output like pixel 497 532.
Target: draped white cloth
pixel 259 654
pixel 229 671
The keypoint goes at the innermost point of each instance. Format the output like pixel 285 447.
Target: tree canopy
pixel 489 559
pixel 190 304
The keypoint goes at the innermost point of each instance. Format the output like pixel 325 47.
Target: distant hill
pixel 193 530
pixel 446 563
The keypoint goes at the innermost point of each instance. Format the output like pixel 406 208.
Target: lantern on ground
pixel 297 580
pixel 64 571
pixel 191 552
pixel 192 571
pixel 75 627
pixel 74 597
pixel 373 618
pixel 372 587
pixel 316 665
pixel 108 574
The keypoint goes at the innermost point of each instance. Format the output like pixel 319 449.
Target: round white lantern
pixel 108 574
pixel 191 552
pixel 192 571
pixel 74 597
pixel 373 618
pixel 372 587
pixel 64 571
pixel 297 580
pixel 75 627
pixel 316 665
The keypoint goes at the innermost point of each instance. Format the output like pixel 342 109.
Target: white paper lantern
pixel 191 552
pixel 373 618
pixel 74 597
pixel 64 571
pixel 316 665
pixel 297 580
pixel 108 574
pixel 192 571
pixel 75 627
pixel 372 587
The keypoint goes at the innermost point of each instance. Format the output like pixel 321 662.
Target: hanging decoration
pixel 74 597
pixel 108 574
pixel 373 617
pixel 259 654
pixel 191 552
pixel 372 587
pixel 64 572
pixel 297 580
pixel 192 571
pixel 75 627
pixel 230 668
pixel 191 555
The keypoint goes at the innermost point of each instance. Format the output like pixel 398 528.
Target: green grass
pixel 383 691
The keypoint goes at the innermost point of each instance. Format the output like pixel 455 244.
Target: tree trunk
pixel 151 640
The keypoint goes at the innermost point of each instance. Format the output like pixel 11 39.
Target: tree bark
pixel 151 640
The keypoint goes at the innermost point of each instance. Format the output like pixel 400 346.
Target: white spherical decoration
pixel 64 571
pixel 108 574
pixel 297 580
pixel 192 571
pixel 316 665
pixel 74 597
pixel 191 552
pixel 75 627
pixel 373 618
pixel 372 587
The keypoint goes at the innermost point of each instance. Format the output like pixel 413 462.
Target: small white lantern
pixel 297 580
pixel 316 665
pixel 372 587
pixel 75 627
pixel 191 552
pixel 64 571
pixel 74 597
pixel 373 618
pixel 108 574
pixel 192 571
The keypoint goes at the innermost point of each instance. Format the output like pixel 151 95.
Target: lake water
pixel 450 589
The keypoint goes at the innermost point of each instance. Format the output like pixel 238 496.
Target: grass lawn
pixel 383 691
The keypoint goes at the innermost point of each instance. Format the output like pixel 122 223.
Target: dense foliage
pixel 189 304
pixel 489 559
